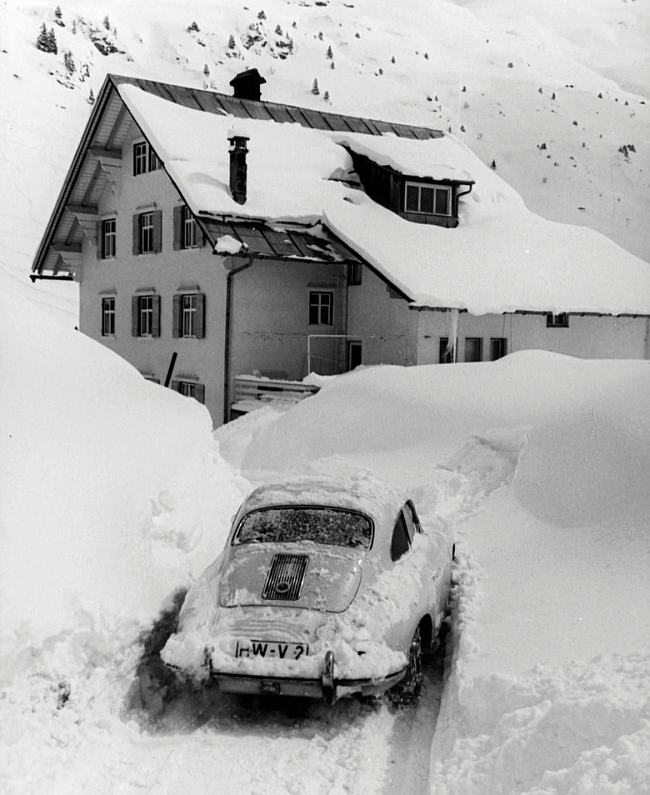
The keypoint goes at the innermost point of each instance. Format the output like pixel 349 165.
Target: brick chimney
pixel 238 151
pixel 246 85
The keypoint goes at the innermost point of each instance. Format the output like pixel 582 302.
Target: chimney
pixel 238 152
pixel 246 85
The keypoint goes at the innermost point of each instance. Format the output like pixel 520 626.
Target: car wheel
pixel 407 690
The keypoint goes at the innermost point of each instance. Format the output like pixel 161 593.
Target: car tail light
pixel 285 578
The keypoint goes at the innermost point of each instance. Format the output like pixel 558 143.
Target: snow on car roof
pixel 363 492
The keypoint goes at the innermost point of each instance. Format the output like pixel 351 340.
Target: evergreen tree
pixel 91 98
pixel 231 42
pixel 330 54
pixel 206 70
pixel 51 42
pixel 314 88
pixel 43 42
pixel 107 24
pixel 68 60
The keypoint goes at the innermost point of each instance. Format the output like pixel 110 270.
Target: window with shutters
pixel 108 238
pixel 144 159
pixel 427 199
pixel 189 315
pixel 146 316
pixel 108 317
pixel 147 232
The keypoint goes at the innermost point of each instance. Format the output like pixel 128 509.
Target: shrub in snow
pixel 69 63
pixel 314 88
pixel 332 65
pixel 231 42
pixel 493 165
pixel 193 28
pixel 261 15
pixel 329 53
pixel 278 30
pixel 91 98
pixel 326 96
pixel 107 23
pixel 206 70
pixel 58 17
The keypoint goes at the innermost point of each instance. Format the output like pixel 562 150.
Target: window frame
pixel 479 341
pixel 146 231
pixel 188 315
pixel 318 309
pixel 108 316
pixel 145 315
pixel 190 387
pixel 419 186
pixel 189 229
pixel 500 346
pixel 145 158
pixel 557 320
pixel 109 238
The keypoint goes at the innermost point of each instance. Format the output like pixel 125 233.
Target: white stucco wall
pixel 588 336
pixel 165 273
pixel 382 322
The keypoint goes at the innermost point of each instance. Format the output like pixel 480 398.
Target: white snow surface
pixel 114 492
pixel 525 261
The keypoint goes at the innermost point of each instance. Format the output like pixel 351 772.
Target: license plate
pixel 271 650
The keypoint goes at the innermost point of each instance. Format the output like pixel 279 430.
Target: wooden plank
pixel 280 114
pixel 184 96
pixel 316 120
pixel 256 110
pixel 281 243
pixel 233 107
pixel 255 239
pixel 358 125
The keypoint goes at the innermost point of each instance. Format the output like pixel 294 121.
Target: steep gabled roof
pixel 99 153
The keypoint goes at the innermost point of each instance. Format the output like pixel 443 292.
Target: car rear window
pixel 334 526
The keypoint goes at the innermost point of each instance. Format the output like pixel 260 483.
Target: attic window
pixel 560 320
pixel 427 199
pixel 144 159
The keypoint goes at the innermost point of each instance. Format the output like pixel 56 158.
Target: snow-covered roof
pixel 501 257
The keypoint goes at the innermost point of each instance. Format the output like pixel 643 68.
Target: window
pixel 108 317
pixel 189 315
pixel 445 352
pixel 354 355
pixel 190 389
pixel 187 233
pixel 429 199
pixel 144 159
pixel 147 232
pixel 354 273
pixel 145 320
pixel 498 348
pixel 560 320
pixel 108 238
pixel 473 349
pixel 400 543
pixel 321 306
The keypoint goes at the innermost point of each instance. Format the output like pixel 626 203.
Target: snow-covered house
pixel 226 245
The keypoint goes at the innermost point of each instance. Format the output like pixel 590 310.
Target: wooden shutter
pixel 200 237
pixel 100 239
pixel 135 316
pixel 157 231
pixel 155 320
pixel 176 316
pixel 178 227
pixel 199 392
pixel 136 234
pixel 200 316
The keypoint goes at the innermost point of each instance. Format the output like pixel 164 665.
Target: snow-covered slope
pixel 555 96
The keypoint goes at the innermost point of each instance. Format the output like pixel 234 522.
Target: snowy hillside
pixel 556 96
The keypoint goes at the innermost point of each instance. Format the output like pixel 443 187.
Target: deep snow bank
pixel 112 487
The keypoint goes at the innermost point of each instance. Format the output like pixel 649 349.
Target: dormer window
pixel 427 199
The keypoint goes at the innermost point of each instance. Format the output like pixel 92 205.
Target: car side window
pixel 412 521
pixel 401 541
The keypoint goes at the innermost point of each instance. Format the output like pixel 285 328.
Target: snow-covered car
pixel 326 588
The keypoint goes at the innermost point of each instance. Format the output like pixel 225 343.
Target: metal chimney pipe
pixel 238 177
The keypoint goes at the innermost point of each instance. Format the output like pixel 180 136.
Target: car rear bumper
pixel 319 689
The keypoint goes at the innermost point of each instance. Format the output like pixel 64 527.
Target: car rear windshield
pixel 335 526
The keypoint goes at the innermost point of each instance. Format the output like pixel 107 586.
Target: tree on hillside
pixel 58 17
pixel 51 38
pixel 46 40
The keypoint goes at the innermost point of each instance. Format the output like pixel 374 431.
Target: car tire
pixel 407 690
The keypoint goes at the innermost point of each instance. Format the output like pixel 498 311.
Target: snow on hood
pixel 501 258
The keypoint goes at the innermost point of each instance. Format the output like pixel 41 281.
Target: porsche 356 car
pixel 326 588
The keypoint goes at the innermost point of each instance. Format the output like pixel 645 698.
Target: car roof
pixel 363 492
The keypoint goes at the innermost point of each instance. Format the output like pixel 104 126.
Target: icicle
pixel 453 335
